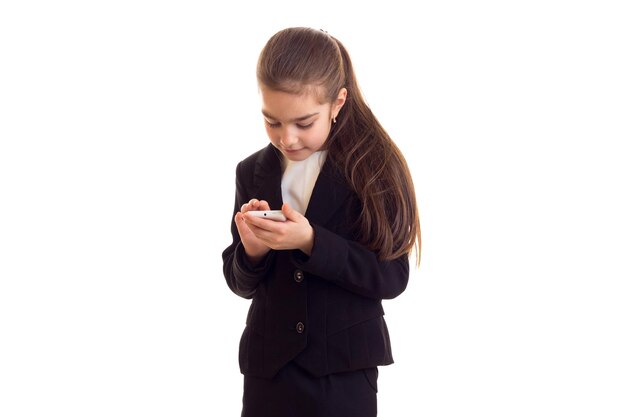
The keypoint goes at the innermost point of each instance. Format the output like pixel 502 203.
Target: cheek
pixel 320 135
pixel 271 133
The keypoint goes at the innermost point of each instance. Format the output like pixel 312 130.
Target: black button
pixel 298 276
pixel 300 327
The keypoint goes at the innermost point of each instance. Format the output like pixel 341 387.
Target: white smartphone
pixel 269 214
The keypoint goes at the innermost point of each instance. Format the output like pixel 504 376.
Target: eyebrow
pixel 297 119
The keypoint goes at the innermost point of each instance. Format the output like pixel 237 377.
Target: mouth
pixel 286 150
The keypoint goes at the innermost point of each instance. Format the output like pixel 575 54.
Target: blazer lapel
pixel 328 195
pixel 267 175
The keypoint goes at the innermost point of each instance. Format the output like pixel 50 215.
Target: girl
pixel 315 332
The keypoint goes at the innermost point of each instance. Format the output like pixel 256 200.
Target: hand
pixel 254 247
pixel 295 233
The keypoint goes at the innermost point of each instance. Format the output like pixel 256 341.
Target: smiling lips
pixel 292 150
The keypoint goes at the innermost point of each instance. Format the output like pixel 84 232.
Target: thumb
pixel 290 213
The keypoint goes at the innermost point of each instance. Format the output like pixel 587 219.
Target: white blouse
pixel 299 178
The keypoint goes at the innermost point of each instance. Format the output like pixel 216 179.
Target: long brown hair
pixel 297 59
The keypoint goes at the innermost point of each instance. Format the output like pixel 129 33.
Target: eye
pixel 307 126
pixel 272 125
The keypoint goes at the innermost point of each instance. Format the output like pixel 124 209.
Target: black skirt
pixel 294 392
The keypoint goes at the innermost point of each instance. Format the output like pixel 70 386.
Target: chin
pixel 299 155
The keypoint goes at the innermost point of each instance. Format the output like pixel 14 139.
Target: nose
pixel 288 137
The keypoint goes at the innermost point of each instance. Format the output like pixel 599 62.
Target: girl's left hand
pixel 295 233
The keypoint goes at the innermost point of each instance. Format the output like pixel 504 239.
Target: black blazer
pixel 324 311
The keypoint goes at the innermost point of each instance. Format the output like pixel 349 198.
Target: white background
pixel 121 123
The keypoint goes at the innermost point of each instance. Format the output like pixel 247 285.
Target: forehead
pixel 285 106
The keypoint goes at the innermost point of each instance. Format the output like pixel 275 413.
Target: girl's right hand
pixel 255 249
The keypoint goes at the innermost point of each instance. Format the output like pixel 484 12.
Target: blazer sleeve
pixel 354 267
pixel 241 276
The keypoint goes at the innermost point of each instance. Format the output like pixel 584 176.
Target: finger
pixel 290 213
pixel 249 205
pixel 258 223
pixel 240 222
pixel 263 205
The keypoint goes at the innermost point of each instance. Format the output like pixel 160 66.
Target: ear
pixel 339 102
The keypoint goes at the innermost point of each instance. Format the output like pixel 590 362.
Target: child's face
pixel 297 124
